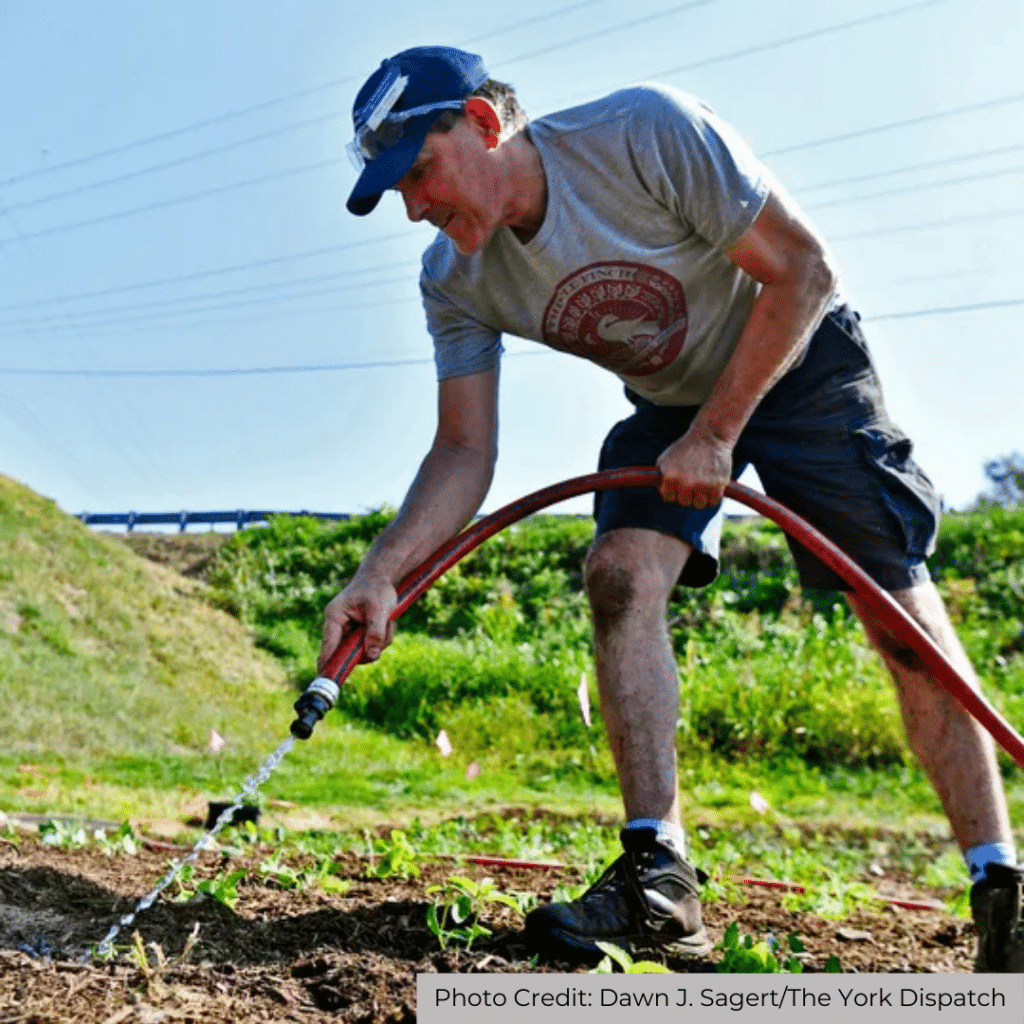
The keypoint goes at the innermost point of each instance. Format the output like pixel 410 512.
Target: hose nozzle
pixel 321 695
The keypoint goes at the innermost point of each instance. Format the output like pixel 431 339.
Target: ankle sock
pixel 666 831
pixel 978 857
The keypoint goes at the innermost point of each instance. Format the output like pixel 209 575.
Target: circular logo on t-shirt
pixel 626 317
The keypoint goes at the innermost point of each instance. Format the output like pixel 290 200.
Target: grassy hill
pixel 114 670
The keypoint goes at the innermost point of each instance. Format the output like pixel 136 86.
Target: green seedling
pixel 455 916
pixel 323 875
pixel 398 860
pixel 745 956
pixel 616 955
pixel 222 887
pixel 832 901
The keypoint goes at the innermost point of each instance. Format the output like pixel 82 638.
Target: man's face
pixel 454 185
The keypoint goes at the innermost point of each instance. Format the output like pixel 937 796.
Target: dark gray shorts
pixel 822 445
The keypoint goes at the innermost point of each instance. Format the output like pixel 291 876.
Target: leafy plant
pixel 399 859
pixel 615 955
pixel 833 900
pixel 323 874
pixel 455 916
pixel 223 887
pixel 745 956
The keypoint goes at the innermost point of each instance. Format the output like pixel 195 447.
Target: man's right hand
pixel 367 600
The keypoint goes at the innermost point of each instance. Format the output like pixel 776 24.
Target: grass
pixel 116 670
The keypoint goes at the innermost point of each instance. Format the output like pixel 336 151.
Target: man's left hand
pixel 695 469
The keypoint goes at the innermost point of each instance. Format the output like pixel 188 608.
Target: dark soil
pixel 307 955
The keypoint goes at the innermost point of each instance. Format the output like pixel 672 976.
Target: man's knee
pixel 621 576
pixel 924 605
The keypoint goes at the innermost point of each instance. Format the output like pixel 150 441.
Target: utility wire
pixel 962 180
pixel 800 37
pixel 892 125
pixel 178 200
pixel 620 27
pixel 901 229
pixel 526 22
pixel 928 165
pixel 154 168
pixel 216 271
pixel 84 316
pixel 316 368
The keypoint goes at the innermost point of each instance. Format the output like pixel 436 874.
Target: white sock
pixel 666 831
pixel 977 857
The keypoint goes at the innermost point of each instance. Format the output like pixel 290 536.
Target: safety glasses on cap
pixel 377 128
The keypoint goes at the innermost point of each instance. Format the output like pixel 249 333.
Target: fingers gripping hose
pixel 322 693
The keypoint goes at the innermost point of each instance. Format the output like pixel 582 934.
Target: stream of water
pixel 249 789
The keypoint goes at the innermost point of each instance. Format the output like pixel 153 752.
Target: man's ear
pixel 481 111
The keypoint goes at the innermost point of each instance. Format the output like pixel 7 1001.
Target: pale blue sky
pixel 271 271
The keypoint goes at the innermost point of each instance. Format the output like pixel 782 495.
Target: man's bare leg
pixel 954 749
pixel 630 574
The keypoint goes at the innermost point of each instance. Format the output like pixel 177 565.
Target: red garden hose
pixel 889 613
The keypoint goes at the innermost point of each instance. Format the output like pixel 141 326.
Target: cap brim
pixel 386 170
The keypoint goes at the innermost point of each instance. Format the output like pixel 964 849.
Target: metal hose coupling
pixel 321 695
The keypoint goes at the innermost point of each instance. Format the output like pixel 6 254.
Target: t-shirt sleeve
pixel 462 345
pixel 697 165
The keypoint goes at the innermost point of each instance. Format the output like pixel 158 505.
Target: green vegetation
pixel 116 670
pixel 744 955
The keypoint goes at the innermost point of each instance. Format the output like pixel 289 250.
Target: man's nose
pixel 415 206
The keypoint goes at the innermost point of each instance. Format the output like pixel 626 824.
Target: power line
pixel 900 229
pixel 178 200
pixel 981 154
pixel 225 293
pixel 381 364
pixel 620 27
pixel 158 315
pixel 216 271
pixel 892 125
pixel 945 310
pixel 195 126
pixel 525 23
pixel 962 180
pixel 154 168
pixel 799 38
pixel 252 108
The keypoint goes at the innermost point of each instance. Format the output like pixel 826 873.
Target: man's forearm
pixel 449 488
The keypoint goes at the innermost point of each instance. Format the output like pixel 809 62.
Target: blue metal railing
pixel 240 517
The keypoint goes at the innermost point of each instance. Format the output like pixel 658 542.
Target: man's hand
pixel 695 469
pixel 368 600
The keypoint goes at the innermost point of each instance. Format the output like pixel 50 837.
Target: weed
pixel 398 860
pixel 323 875
pixel 223 887
pixel 833 900
pixel 745 956
pixel 455 916
pixel 615 955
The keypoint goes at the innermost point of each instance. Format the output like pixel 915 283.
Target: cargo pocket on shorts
pixel 903 488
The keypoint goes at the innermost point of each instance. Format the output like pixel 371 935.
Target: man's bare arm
pixel 450 486
pixel 782 252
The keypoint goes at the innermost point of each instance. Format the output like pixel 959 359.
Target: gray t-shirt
pixel 646 190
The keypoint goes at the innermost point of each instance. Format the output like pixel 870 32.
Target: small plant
pixel 745 956
pixel 222 887
pixel 833 900
pixel 615 955
pixel 398 859
pixel 323 875
pixel 455 916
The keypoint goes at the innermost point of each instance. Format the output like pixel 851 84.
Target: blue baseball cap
pixel 395 109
